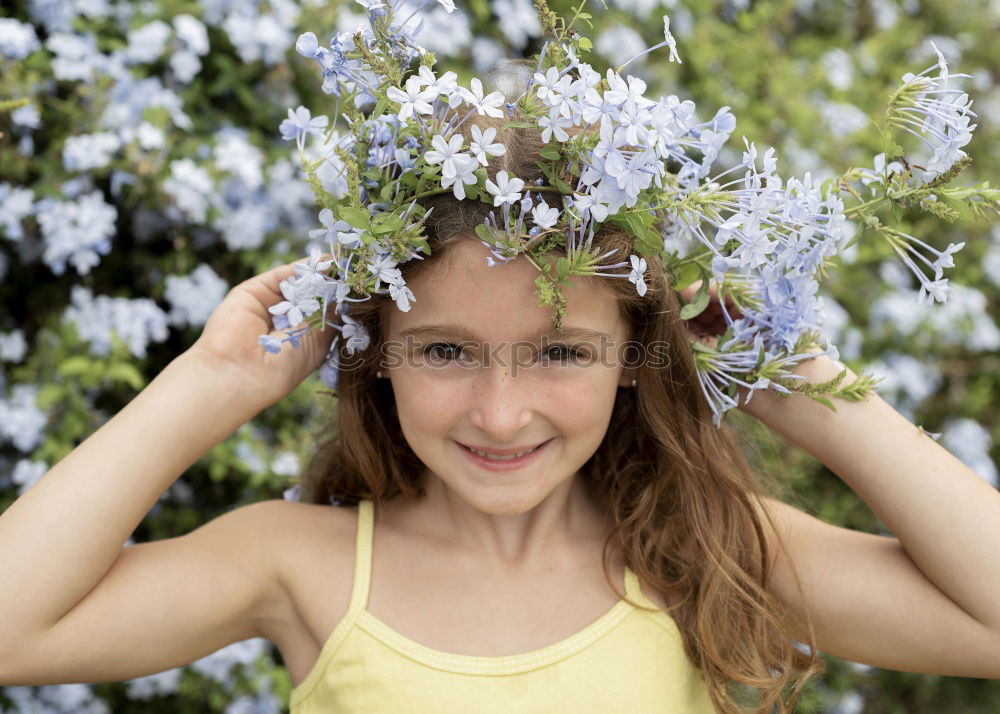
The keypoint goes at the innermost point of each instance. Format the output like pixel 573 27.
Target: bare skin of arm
pixel 74 605
pixel 924 600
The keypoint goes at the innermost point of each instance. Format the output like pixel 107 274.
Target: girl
pixel 528 522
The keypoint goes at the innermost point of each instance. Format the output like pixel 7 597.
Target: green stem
pixel 855 210
pixel 567 28
pixel 437 191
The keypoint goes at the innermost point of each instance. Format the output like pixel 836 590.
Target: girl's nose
pixel 501 404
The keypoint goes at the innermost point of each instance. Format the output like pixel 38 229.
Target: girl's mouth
pixel 504 463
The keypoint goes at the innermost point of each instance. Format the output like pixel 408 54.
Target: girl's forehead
pixel 460 290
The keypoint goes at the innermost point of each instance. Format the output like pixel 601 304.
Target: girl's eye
pixel 441 351
pixel 563 354
pixel 566 355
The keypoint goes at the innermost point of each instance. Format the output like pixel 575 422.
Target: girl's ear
pixel 628 374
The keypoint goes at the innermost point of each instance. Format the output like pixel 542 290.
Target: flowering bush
pixel 145 168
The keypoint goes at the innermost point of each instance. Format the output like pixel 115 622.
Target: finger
pixel 267 285
pixel 690 290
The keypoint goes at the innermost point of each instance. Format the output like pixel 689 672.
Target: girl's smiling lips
pixel 508 464
pixel 500 452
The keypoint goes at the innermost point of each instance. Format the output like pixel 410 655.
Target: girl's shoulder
pixel 312 554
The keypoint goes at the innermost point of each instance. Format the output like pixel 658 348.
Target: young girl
pixel 624 559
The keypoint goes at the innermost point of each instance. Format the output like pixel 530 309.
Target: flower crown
pixel 611 155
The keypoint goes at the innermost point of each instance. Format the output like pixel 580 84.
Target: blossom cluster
pixel 645 164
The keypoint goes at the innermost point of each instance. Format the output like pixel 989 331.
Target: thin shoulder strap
pixel 632 589
pixel 363 556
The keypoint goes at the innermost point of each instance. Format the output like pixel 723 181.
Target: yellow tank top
pixel 628 660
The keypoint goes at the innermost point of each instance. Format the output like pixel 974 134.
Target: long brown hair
pixel 679 490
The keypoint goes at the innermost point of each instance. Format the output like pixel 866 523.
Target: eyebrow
pixel 464 334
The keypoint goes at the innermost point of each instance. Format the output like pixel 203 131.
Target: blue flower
pixel 329 373
pixel 301 124
pixel 296 306
pixel 355 333
pixel 402 295
pixel 544 215
pixel 307 45
pixel 271 344
pixel 310 274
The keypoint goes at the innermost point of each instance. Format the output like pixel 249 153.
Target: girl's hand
pixel 710 324
pixel 229 340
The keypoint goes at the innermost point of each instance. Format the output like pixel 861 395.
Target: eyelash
pixel 572 354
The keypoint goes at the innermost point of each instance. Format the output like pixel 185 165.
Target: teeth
pixel 501 458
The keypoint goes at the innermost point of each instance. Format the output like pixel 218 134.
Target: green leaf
pixel 649 245
pixel 49 395
pixel 698 304
pixel 958 206
pixel 127 373
pixel 561 185
pixel 518 125
pixel 634 224
pixel 483 231
pixel 551 152
pixel 687 274
pixel 357 217
pixel 824 401
pixel 388 190
pixel 386 223
pixel 75 366
pixel 585 44
pixel 562 268
pixel 896 210
pixel 852 241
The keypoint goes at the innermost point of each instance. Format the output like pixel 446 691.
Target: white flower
pixel 465 174
pixel 548 83
pixel 488 105
pixel 588 204
pixel 544 215
pixel 481 145
pixel 414 99
pixel 934 291
pixel 445 84
pixel 447 154
pixel 638 268
pixel 448 5
pixel 506 190
pixel 671 42
pixel 550 126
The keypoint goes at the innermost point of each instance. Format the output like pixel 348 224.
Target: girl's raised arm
pixel 923 601
pixel 76 606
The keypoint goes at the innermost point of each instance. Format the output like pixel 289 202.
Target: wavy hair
pixel 685 504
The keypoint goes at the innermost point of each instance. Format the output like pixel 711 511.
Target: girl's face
pixel 470 366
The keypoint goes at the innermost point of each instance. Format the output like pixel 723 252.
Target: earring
pixel 379 374
pixel 633 381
